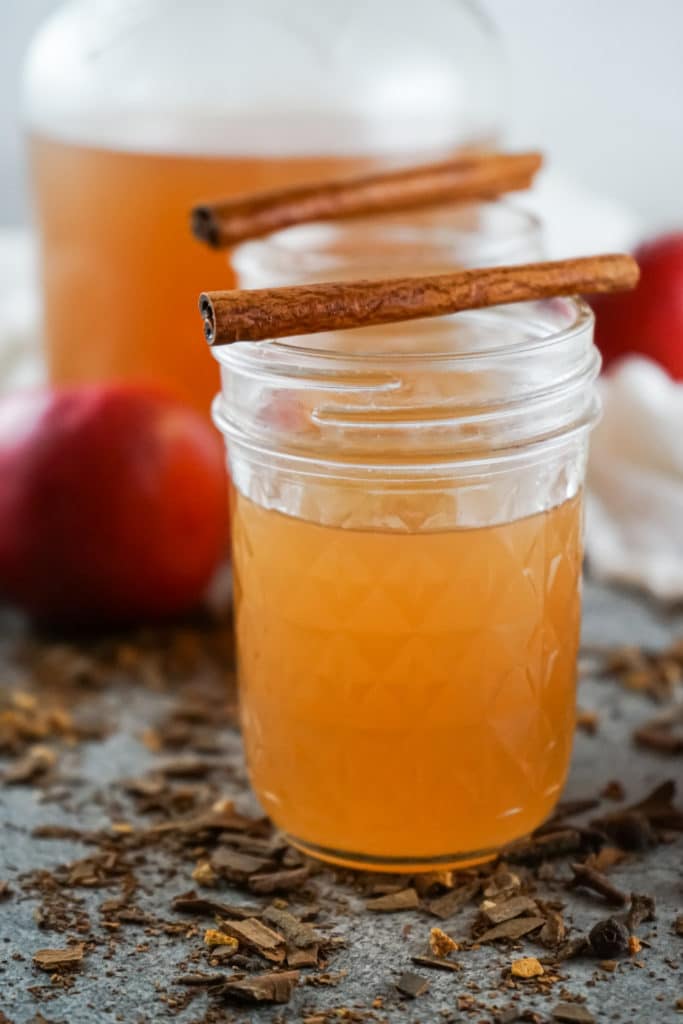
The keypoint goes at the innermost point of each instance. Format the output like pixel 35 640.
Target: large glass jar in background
pixel 138 108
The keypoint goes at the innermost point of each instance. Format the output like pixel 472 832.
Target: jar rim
pixel 306 248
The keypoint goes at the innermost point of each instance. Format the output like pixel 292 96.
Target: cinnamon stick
pixel 267 313
pixel 224 223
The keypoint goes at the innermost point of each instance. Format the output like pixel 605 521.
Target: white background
pixel 598 84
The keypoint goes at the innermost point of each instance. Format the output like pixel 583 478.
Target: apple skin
pixel 649 320
pixel 113 504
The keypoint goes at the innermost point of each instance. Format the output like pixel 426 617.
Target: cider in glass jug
pixel 137 109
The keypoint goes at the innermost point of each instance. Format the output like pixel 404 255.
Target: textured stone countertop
pixel 129 972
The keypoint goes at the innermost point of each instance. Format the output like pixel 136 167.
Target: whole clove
pixel 642 909
pixel 589 878
pixel 629 830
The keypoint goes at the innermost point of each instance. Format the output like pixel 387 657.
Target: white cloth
pixel 576 222
pixel 634 522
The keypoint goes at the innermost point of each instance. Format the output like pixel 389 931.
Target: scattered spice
pixel 642 909
pixel 512 930
pixel 664 733
pixel 55 960
pixel 608 939
pixel 540 847
pixel 437 963
pixel 553 931
pixel 587 721
pixel 189 826
pixel 589 878
pixel 35 763
pixel 412 985
pixel 296 933
pixel 606 858
pixel 441 944
pixel 577 946
pixel 191 903
pixel 446 906
pixel 502 884
pixel 235 866
pixel 303 957
pixel 658 807
pixel 212 937
pixel 200 980
pixel 526 967
pixel 614 790
pixel 326 979
pixel 404 899
pixel 516 906
pixel 255 935
pixel 629 830
pixel 656 674
pixel 572 1013
pixel 261 988
pixel 434 883
pixel 279 881
pixel 204 874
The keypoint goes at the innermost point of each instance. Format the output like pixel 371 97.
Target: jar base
pixel 393 865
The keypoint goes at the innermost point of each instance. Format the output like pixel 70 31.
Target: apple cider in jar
pixel 407 521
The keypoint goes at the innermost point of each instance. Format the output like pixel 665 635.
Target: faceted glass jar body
pixel 137 109
pixel 407 523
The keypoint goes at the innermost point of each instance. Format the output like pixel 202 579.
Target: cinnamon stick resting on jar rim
pixel 224 223
pixel 266 313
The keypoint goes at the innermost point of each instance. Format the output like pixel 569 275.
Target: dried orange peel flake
pixel 212 937
pixel 527 967
pixel 441 944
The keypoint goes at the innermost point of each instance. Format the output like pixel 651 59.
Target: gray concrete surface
pixel 127 987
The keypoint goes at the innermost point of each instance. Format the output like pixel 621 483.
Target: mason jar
pixel 407 538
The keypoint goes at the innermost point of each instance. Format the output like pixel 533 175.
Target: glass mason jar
pixel 407 537
pixel 138 109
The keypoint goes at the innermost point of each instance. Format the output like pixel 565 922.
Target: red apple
pixel 113 504
pixel 648 320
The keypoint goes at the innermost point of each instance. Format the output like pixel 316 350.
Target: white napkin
pixel 577 222
pixel 634 521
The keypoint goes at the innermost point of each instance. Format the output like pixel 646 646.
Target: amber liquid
pixel 408 699
pixel 122 273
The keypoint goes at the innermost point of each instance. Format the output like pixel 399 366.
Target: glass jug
pixel 137 109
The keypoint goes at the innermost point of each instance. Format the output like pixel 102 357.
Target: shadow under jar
pixel 407 556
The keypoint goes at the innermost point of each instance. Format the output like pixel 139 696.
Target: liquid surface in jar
pixel 121 271
pixel 407 697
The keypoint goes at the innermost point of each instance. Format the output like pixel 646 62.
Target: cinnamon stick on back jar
pixel 225 223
